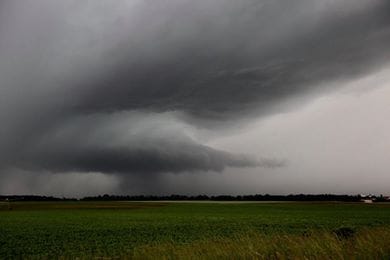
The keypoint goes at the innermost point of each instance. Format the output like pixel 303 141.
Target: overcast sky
pixel 193 97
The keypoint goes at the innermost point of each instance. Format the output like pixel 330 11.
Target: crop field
pixel 142 230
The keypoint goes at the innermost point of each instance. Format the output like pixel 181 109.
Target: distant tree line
pixel 257 197
pixel 33 198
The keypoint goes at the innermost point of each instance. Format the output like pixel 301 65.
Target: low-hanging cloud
pixel 127 143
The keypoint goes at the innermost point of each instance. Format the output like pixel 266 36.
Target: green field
pixel 193 230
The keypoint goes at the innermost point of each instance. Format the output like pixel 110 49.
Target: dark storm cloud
pixel 124 143
pixel 62 63
pixel 162 157
pixel 220 64
pixel 128 142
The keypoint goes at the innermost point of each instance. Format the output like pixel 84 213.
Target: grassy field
pixel 194 230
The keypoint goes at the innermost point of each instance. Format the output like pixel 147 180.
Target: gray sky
pixel 222 96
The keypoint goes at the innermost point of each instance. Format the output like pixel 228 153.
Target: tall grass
pixel 365 244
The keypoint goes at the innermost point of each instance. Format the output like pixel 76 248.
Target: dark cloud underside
pixel 221 67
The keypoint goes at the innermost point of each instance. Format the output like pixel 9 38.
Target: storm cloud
pixel 143 87
pixel 113 145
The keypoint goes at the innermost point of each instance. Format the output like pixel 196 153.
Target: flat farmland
pixel 177 230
